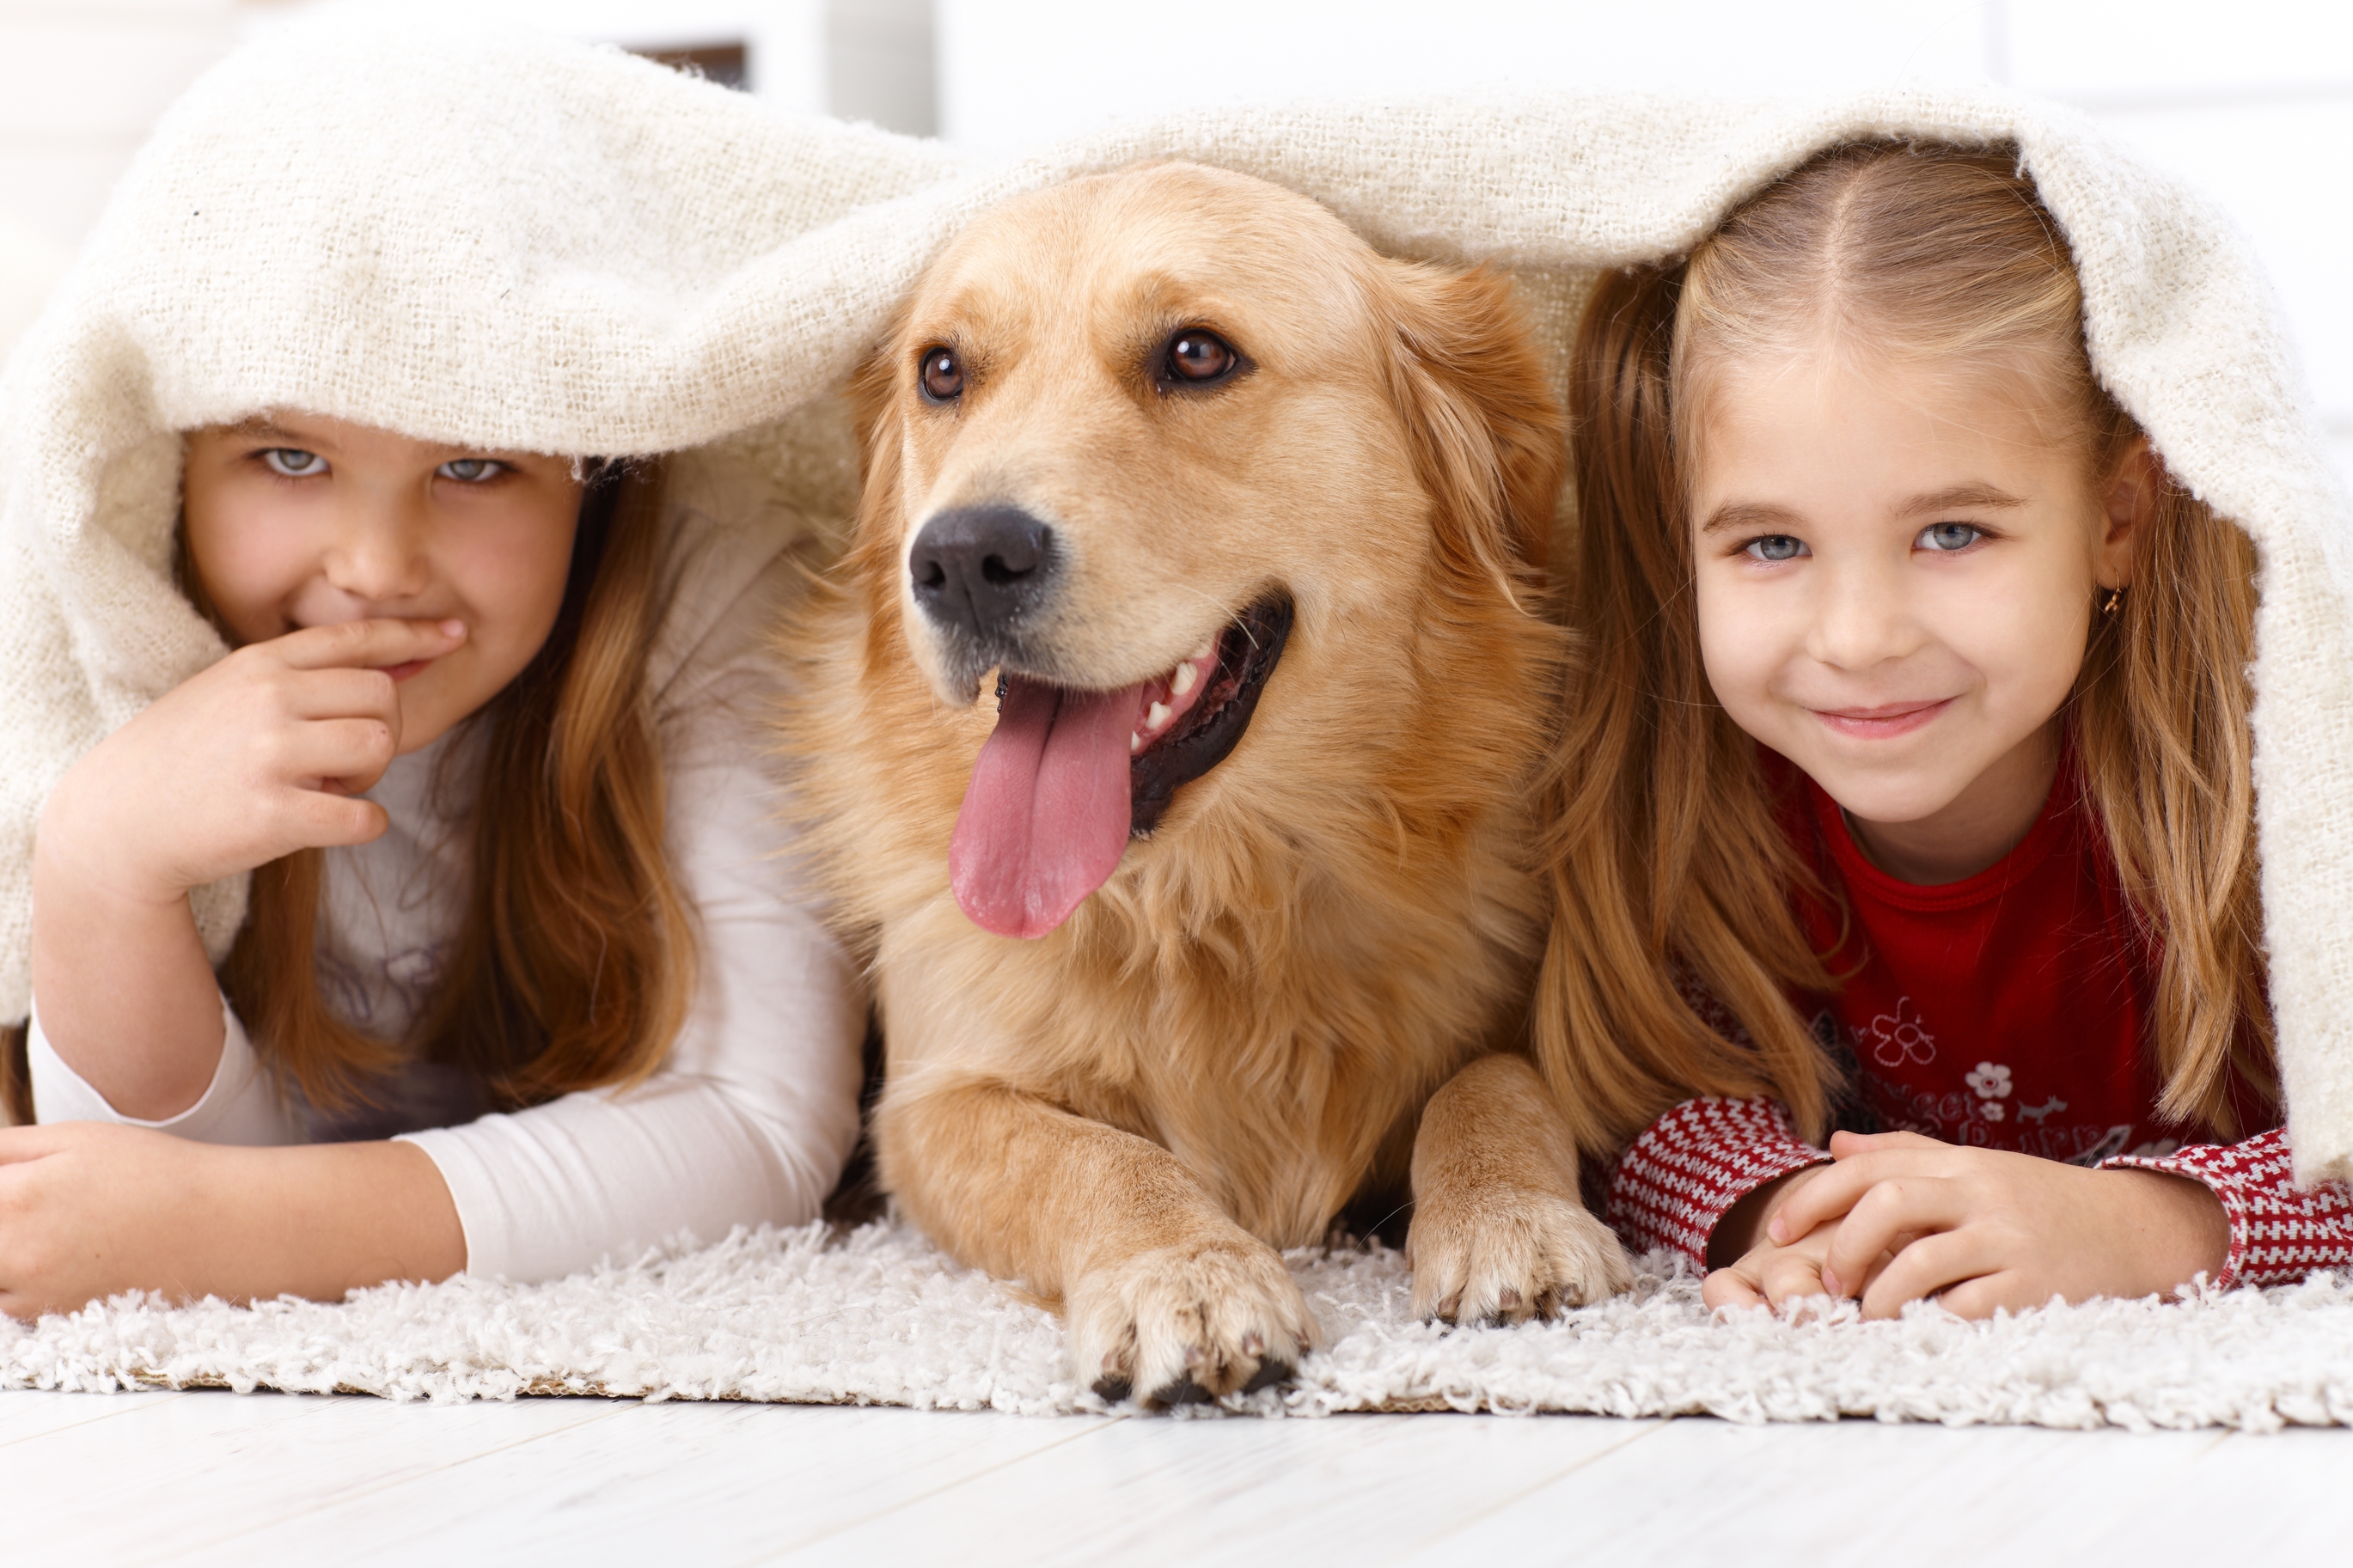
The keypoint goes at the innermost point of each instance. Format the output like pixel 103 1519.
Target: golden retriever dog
pixel 1166 734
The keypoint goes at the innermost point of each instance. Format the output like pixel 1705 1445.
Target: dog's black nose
pixel 980 567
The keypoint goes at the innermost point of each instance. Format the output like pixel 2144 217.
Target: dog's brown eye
pixel 1198 356
pixel 943 376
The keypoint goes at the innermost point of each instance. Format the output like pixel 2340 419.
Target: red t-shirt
pixel 2007 1010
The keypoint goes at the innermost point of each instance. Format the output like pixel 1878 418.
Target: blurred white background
pixel 2251 99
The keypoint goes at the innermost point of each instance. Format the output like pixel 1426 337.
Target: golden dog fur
pixel 1318 953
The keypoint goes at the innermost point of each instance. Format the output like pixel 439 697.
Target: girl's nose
pixel 379 553
pixel 1860 619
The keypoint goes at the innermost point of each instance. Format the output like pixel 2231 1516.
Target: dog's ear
pixel 873 394
pixel 1490 442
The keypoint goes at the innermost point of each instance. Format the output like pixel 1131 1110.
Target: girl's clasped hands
pixel 1902 1218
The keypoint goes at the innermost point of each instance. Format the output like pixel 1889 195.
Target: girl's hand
pixel 88 1210
pixel 253 759
pixel 1770 1273
pixel 1980 1229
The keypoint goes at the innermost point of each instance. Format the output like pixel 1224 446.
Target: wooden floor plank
pixel 752 1479
pixel 1852 1491
pixel 186 1475
pixel 2254 1497
pixel 28 1414
pixel 216 1477
pixel 1350 1487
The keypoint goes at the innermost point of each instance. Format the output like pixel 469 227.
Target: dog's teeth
pixel 1201 655
pixel 1184 680
pixel 1135 742
pixel 1156 716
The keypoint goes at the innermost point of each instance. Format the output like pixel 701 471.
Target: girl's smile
pixel 1884 723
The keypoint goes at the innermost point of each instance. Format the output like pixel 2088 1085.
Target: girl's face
pixel 1894 581
pixel 301 520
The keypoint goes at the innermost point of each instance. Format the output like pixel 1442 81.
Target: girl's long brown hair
pixel 575 965
pixel 1676 952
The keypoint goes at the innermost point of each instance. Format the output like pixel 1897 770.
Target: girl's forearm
pixel 2171 1230
pixel 125 991
pixel 95 1208
pixel 321 1219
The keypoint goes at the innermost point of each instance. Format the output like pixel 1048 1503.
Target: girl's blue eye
pixel 294 462
pixel 471 470
pixel 1950 536
pixel 1777 547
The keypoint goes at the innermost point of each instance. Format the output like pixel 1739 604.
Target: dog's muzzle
pixel 981 574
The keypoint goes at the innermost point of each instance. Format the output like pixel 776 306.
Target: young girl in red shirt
pixel 1907 788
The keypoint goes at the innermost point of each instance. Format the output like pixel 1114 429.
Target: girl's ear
pixel 2127 504
pixel 1488 442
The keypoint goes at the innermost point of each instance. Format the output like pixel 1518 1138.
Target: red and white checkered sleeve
pixel 2279 1233
pixel 1671 1188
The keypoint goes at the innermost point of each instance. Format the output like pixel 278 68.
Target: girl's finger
pixel 367 645
pixel 1834 1190
pixel 1829 1193
pixel 1792 1278
pixel 1728 1288
pixel 1931 1264
pixel 1981 1296
pixel 1846 1145
pixel 1882 1218
pixel 340 691
pixel 1837 1188
pixel 341 749
pixel 316 821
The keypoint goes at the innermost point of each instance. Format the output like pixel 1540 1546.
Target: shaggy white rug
pixel 877 1315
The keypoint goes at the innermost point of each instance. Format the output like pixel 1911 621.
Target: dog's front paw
pixel 1188 1324
pixel 1504 1255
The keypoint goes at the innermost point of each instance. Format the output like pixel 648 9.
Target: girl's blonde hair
pixel 1676 951
pixel 576 964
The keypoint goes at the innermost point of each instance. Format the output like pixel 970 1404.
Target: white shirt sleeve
pixel 241 1105
pixel 755 1109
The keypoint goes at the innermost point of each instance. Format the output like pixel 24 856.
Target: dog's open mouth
pixel 1069 776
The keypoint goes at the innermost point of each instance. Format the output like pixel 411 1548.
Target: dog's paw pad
pixel 1507 1256
pixel 1192 1323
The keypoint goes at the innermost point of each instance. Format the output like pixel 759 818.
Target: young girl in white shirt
pixel 526 981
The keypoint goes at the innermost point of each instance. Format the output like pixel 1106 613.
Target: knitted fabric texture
pixel 1674 1184
pixel 539 245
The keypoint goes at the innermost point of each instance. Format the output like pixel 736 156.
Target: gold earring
pixel 2115 597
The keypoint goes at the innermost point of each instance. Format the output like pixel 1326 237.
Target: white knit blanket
pixel 879 1317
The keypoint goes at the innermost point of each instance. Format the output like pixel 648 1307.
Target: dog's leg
pixel 1164 1292
pixel 1499 1234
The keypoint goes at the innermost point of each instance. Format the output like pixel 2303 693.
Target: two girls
pixel 1908 785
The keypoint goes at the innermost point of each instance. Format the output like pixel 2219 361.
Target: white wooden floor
pixel 264 1478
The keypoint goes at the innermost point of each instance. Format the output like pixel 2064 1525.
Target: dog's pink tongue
pixel 1045 817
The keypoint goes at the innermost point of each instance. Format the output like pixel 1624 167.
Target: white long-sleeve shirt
pixel 755 1107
